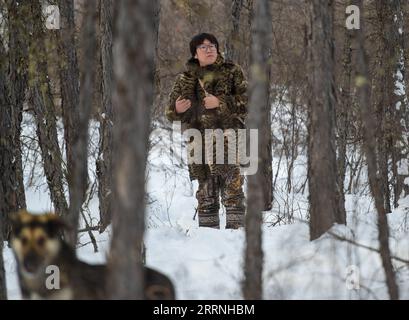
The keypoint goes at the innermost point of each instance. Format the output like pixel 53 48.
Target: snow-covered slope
pixel 207 264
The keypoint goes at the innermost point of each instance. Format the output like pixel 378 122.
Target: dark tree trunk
pixel 325 207
pixel 266 177
pixel 70 95
pixel 235 50
pixel 18 35
pixel 3 286
pixel 134 77
pixel 104 161
pixel 44 113
pixel 259 115
pixel 158 10
pixel 343 109
pixel 265 166
pixel 385 98
pixel 80 147
pixel 233 41
pixel 369 127
pixel 5 160
pixel 69 78
pixel 405 45
pixel 12 94
pixel 157 108
pixel 398 63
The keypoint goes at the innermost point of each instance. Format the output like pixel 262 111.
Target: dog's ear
pixel 16 221
pixel 55 225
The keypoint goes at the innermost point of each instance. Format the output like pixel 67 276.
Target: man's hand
pixel 211 102
pixel 182 105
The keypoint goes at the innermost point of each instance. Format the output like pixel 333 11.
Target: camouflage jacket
pixel 223 79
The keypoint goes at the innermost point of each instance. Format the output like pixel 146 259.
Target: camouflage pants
pixel 230 185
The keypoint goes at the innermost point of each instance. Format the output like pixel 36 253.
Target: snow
pixel 403 167
pixel 208 264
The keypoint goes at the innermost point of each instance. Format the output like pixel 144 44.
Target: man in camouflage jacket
pixel 212 94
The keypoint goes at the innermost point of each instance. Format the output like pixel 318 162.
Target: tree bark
pixel 398 63
pixel 362 84
pixel 12 94
pixel 18 35
pixel 384 97
pixel 259 115
pixel 158 10
pixel 5 161
pixel 405 45
pixel 266 178
pixel 70 95
pixel 79 174
pixel 3 285
pixel 104 161
pixel 233 41
pixel 44 112
pixel 343 121
pixel 325 207
pixel 133 98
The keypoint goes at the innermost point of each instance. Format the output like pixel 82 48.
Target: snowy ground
pixel 207 264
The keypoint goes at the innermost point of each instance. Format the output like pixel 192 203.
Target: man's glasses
pixel 203 47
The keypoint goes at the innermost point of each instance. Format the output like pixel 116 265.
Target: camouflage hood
pixel 193 67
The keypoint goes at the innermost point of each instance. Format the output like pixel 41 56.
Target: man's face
pixel 206 53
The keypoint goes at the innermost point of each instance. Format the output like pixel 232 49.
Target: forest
pixel 96 171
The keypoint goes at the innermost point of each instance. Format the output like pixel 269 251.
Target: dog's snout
pixel 31 262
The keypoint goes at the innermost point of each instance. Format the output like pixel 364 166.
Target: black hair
pixel 198 39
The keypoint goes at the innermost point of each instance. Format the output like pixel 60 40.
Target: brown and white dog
pixel 37 245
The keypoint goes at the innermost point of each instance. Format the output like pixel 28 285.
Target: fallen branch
pixel 359 245
pixel 89 228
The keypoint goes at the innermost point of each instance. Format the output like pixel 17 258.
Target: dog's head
pixel 35 240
